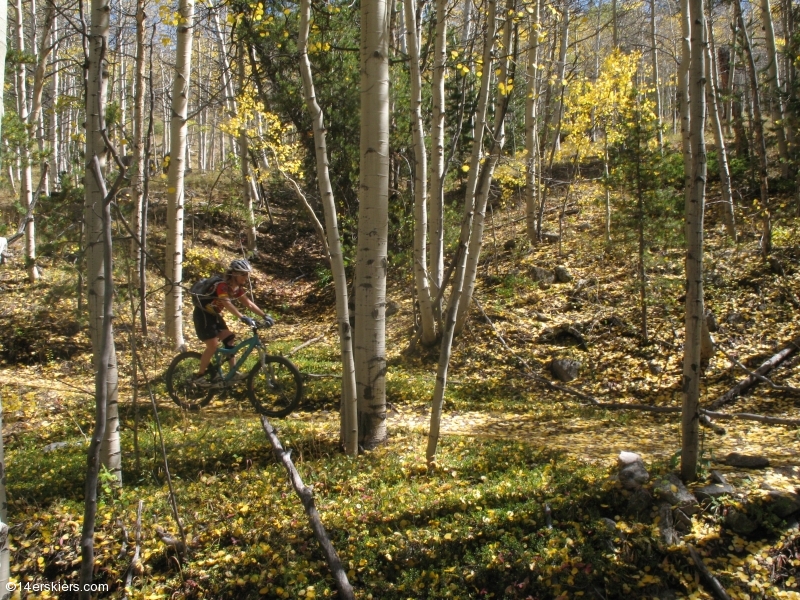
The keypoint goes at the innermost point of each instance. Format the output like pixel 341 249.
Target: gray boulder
pixel 671 490
pixel 565 369
pixel 562 274
pixel 543 275
pixel 746 461
pixel 632 473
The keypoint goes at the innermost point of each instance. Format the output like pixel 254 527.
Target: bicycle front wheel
pixel 275 387
pixel 180 385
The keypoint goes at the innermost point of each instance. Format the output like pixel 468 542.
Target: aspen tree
pixel 531 129
pixel 460 258
pixel 758 129
pixel 719 138
pixel 373 222
pixel 656 82
pixel 349 408
pixel 138 164
pixel 436 200
pixel 175 180
pixel 695 207
pixel 775 87
pixel 5 563
pixel 427 320
pixel 505 85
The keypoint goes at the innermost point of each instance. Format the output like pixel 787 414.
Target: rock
pixel 746 461
pixel 392 308
pixel 57 446
pixel 654 368
pixel 734 318
pixel 718 477
pixel 550 238
pixel 666 525
pixel 610 524
pixel 714 490
pixel 562 274
pixel 543 275
pixel 640 501
pixel 671 490
pixel 565 369
pixel 632 473
pixel 740 522
pixel 711 322
pixel 783 504
pixel 542 318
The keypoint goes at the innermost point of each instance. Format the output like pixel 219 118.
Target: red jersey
pixel 226 291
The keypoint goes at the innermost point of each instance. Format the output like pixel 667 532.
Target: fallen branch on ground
pixel 712 582
pixel 307 498
pixel 643 407
pixel 767 380
pixel 752 379
pixel 305 344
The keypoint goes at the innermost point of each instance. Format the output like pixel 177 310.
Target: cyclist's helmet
pixel 240 265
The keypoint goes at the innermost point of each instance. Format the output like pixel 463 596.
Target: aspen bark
pixel 138 166
pixel 758 134
pixel 656 82
pixel 683 96
pixel 349 410
pixel 719 138
pixel 695 312
pixel 482 197
pixel 436 200
pixel 244 163
pixel 459 260
pixel 775 88
pixel 97 271
pixel 373 220
pixel 427 321
pixel 531 129
pixel 175 181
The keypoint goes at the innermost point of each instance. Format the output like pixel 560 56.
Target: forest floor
pixel 524 502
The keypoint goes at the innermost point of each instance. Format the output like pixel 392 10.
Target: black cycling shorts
pixel 206 325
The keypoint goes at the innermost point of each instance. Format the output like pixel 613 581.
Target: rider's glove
pixel 248 321
pixel 269 321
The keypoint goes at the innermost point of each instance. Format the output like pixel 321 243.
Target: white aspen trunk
pixel 695 312
pixel 466 27
pixel 349 408
pixel 26 171
pixel 656 82
pixel 482 197
pixel 244 164
pixel 683 98
pixel 437 399
pixel 759 142
pixel 427 320
pixel 373 218
pixel 177 165
pixel 719 138
pixel 562 70
pixel 436 200
pixel 138 165
pixel 55 162
pixel 94 199
pixel 531 130
pixel 776 100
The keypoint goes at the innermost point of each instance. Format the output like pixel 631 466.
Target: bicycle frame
pixel 224 354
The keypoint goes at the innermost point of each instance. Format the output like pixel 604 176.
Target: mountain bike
pixel 274 384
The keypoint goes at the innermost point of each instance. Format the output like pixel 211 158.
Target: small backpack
pixel 204 291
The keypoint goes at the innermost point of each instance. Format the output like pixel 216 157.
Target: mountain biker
pixel 209 324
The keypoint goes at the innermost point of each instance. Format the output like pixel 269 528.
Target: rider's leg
pixel 227 337
pixel 208 353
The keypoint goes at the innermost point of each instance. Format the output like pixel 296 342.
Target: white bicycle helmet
pixel 240 265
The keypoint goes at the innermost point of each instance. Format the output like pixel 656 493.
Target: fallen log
pixel 307 498
pixel 754 378
pixel 707 576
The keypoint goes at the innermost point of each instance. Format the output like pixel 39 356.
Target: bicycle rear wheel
pixel 180 385
pixel 276 387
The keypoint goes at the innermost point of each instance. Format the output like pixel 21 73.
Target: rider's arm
pixel 230 306
pixel 252 306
